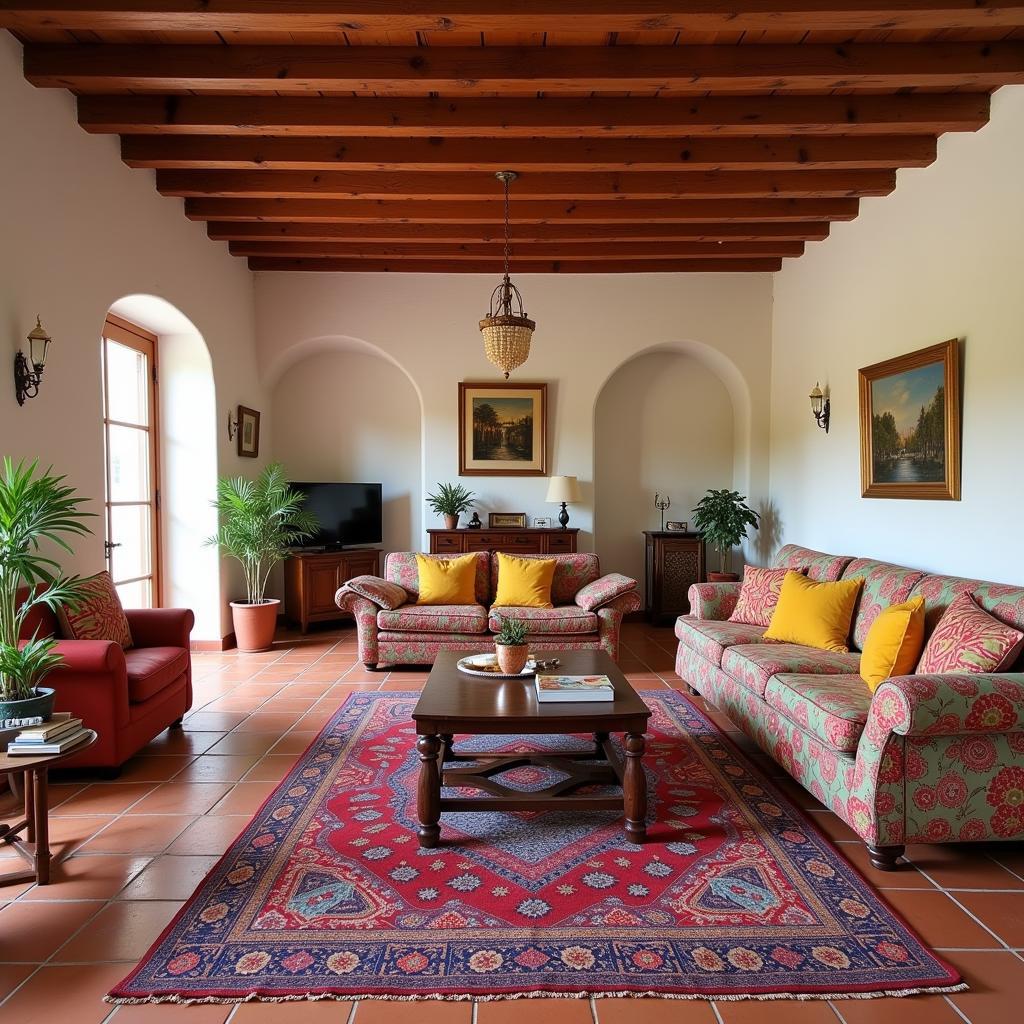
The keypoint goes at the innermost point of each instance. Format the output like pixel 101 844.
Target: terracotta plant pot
pixel 512 660
pixel 451 522
pixel 254 624
pixel 722 577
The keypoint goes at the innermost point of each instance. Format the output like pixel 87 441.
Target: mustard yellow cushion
pixel 893 644
pixel 814 614
pixel 524 582
pixel 447 580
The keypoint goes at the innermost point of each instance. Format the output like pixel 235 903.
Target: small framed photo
pixel 248 432
pixel 542 522
pixel 677 526
pixel 515 520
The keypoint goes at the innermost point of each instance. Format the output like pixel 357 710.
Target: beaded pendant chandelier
pixel 507 330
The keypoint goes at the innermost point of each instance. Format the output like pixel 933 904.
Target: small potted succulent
pixel 511 646
pixel 723 517
pixel 450 502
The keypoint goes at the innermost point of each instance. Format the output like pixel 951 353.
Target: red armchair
pixel 130 696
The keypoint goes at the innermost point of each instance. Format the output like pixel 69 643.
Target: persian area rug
pixel 327 894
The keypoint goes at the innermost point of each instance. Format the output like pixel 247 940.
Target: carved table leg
pixel 40 812
pixel 600 738
pixel 634 789
pixel 446 747
pixel 884 858
pixel 30 806
pixel 428 796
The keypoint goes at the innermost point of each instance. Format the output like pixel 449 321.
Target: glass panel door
pixel 132 481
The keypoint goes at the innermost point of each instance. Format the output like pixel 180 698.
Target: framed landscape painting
pixel 910 425
pixel 502 429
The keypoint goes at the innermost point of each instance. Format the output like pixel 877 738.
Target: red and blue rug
pixel 327 894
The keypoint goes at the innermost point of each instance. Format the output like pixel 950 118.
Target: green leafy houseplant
pixel 450 501
pixel 259 521
pixel 723 517
pixel 510 644
pixel 34 509
pixel 512 634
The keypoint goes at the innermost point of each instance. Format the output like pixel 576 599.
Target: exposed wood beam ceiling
pixel 696 135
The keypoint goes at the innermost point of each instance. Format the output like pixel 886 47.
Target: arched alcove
pixel 664 421
pixel 341 411
pixel 191 571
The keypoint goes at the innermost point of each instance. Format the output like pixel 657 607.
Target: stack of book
pixel 60 733
pixel 555 689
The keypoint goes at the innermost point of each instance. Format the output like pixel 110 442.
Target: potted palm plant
pixel 34 509
pixel 259 521
pixel 511 647
pixel 451 501
pixel 723 517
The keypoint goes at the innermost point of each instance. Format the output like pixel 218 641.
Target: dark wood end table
pixel 35 846
pixel 453 702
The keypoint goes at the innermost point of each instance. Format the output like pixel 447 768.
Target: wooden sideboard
pixel 525 541
pixel 674 561
pixel 311 579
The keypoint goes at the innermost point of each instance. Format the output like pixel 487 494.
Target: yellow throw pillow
pixel 447 580
pixel 814 614
pixel 893 644
pixel 524 582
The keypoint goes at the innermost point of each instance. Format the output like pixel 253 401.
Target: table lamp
pixel 564 489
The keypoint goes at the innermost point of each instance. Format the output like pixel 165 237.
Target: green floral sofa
pixel 394 630
pixel 926 759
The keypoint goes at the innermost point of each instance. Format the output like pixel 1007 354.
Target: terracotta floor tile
pixel 360 675
pixel 404 683
pixel 71 832
pixel 214 721
pixel 268 722
pixel 244 798
pixel 536 1011
pixel 324 1011
pixel 832 826
pixel 961 867
pixel 11 976
pixel 181 741
pixel 654 1011
pixel 906 876
pixel 1003 912
pixel 139 833
pixel 182 798
pixel 939 921
pixel 211 834
pixel 88 878
pixel 307 689
pixel 271 768
pixel 156 1014
pixel 245 743
pixel 912 1010
pixel 1010 856
pixel 121 931
pixel 70 995
pixel 169 878
pixel 292 705
pixel 151 768
pixel 217 768
pixel 31 932
pixel 996 982
pixel 776 1011
pixel 294 743
pixel 107 798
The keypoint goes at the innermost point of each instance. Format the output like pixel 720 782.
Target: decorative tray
pixel 487 665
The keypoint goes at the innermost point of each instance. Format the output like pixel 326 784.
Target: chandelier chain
pixel 508 239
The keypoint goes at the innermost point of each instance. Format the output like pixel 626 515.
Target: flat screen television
pixel 350 514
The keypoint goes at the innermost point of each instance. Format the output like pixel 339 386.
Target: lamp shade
pixel 563 488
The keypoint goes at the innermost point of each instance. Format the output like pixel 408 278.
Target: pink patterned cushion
pixel 606 589
pixel 99 616
pixel 382 593
pixel 758 596
pixel 968 639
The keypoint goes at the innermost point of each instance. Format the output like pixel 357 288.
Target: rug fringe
pixel 255 997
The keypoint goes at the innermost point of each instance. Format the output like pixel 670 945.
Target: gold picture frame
pixel 910 425
pixel 502 429
pixel 506 520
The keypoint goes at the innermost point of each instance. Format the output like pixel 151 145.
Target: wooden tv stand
pixel 311 579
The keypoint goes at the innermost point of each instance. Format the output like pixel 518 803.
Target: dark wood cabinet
pixel 527 541
pixel 674 561
pixel 311 579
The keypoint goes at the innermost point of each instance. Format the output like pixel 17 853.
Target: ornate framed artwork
pixel 248 432
pixel 505 520
pixel 910 425
pixel 502 429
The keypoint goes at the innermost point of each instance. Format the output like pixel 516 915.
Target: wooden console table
pixel 525 541
pixel 312 578
pixel 674 561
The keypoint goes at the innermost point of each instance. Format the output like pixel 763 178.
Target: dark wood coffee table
pixel 455 703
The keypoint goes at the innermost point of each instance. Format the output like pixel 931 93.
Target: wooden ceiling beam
pixel 598 185
pixel 617 211
pixel 438 266
pixel 474 70
pixel 570 118
pixel 253 231
pixel 490 155
pixel 563 251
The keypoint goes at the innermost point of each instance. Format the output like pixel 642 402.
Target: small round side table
pixel 35 846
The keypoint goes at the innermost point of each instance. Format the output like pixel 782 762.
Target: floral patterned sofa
pixel 587 613
pixel 926 759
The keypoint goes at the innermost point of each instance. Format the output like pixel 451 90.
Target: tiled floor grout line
pixel 967 911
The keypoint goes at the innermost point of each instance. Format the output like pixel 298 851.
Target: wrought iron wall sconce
pixel 232 425
pixel 28 371
pixel 821 406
